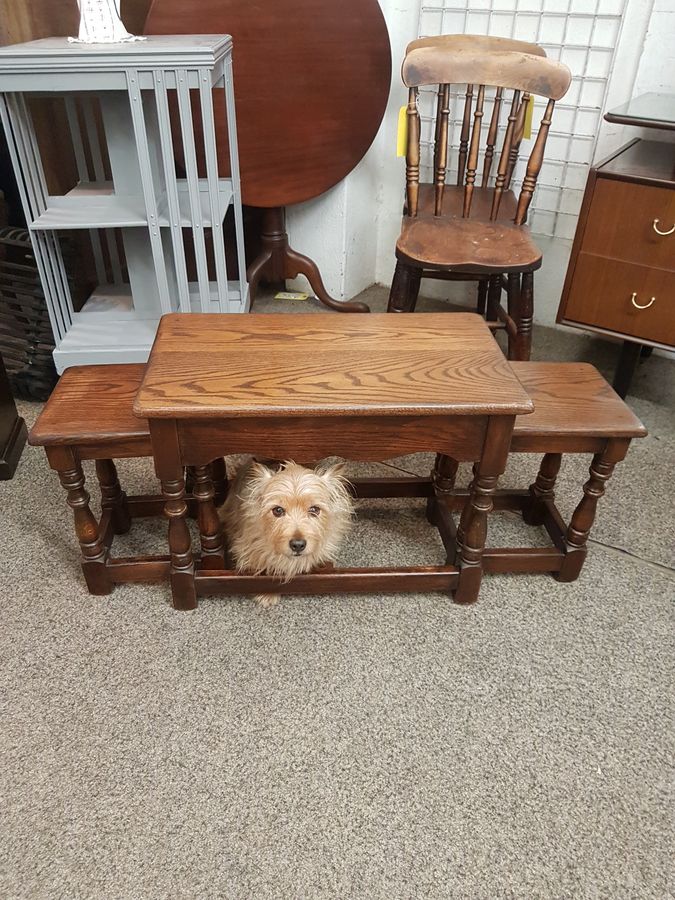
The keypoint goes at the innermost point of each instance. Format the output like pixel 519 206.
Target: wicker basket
pixel 26 338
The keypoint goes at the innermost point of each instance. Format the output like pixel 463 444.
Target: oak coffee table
pixel 307 386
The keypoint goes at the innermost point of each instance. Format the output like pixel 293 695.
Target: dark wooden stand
pixel 277 261
pixel 12 429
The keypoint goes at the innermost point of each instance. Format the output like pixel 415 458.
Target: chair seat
pixel 94 404
pixel 571 399
pixel 467 245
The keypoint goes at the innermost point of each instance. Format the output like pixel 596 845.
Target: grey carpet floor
pixel 348 746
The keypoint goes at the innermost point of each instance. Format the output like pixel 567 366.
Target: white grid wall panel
pixel 581 33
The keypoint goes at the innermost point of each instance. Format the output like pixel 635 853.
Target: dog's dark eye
pixel 278 511
pixel 314 510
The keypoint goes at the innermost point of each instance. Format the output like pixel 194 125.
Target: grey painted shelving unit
pixel 140 115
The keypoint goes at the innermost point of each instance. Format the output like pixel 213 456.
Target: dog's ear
pixel 331 470
pixel 260 472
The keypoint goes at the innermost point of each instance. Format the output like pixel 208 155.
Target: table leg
pixel 93 550
pixel 113 497
pixel 219 478
pixel 169 469
pixel 443 477
pixel 583 516
pixel 210 528
pixel 472 532
pixel 542 490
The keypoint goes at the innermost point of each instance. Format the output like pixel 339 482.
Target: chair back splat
pixel 491 70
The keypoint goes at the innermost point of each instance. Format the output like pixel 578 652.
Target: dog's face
pixel 297 508
pixel 289 520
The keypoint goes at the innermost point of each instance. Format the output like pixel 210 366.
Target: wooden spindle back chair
pixel 475 230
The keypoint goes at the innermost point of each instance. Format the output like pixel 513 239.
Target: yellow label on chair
pixel 527 125
pixel 402 134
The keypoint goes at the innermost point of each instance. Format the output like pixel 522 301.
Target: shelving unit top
pixel 57 55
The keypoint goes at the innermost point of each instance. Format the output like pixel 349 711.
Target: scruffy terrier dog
pixel 285 520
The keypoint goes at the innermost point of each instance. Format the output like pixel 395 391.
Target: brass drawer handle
pixel 662 233
pixel 641 306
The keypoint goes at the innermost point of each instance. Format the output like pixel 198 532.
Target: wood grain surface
pixel 204 365
pixel 572 399
pixel 92 403
pixel 311 83
pixel 601 292
pixel 621 223
pixel 466 245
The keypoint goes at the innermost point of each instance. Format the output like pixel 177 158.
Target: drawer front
pixel 602 295
pixel 621 223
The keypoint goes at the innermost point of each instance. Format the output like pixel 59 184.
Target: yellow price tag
pixel 402 134
pixel 527 125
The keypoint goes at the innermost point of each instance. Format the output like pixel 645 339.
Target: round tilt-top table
pixel 311 81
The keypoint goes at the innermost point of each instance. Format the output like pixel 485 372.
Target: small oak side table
pixel 308 386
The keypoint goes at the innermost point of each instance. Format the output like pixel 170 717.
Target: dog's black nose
pixel 297 545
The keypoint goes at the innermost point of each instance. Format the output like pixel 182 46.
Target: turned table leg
pixel 210 528
pixel 219 478
pixel 113 497
pixel 180 545
pixel 543 489
pixel 169 469
pixel 93 551
pixel 576 539
pixel 472 531
pixel 443 477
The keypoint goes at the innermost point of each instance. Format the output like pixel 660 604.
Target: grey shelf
pixel 126 105
pixel 95 204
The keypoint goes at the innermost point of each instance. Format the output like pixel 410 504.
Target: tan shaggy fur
pixel 269 513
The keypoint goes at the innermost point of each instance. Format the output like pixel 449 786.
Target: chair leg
pixel 405 287
pixel 521 307
pixel 113 497
pixel 494 298
pixel 93 550
pixel 576 539
pixel 543 489
pixel 210 528
pixel 481 300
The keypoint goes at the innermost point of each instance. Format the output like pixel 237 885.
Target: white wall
pixel 351 230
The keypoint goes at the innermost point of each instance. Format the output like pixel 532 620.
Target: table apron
pixel 366 438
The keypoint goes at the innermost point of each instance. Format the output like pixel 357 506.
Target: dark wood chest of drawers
pixel 621 275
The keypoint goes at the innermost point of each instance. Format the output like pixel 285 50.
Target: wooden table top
pixel 206 365
pixel 311 82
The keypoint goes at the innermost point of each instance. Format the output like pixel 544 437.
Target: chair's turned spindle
pixel 441 149
pixel 464 134
pixel 439 107
pixel 518 132
pixel 504 158
pixel 412 168
pixel 472 164
pixel 534 165
pixel 492 137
